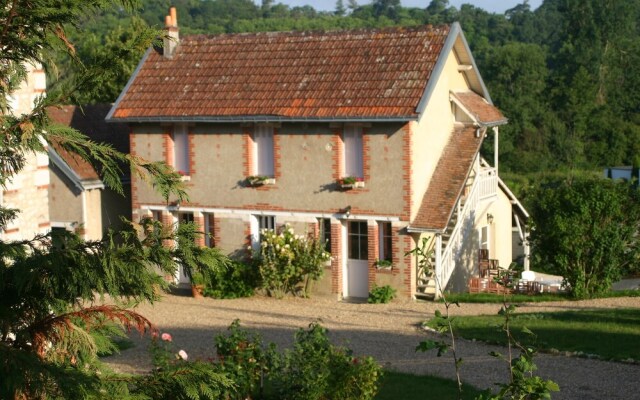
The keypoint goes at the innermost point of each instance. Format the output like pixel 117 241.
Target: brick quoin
pixel 373 251
pixel 216 230
pixel 135 204
pixel 167 148
pixel 336 258
pixel 407 171
pixel 247 152
pixel 198 219
pixel 410 268
pixel 366 154
pixel 167 223
pixel 277 150
pixel 192 153
pixel 338 154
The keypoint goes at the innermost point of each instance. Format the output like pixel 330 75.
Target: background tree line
pixel 567 75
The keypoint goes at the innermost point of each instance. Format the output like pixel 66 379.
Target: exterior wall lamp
pixel 489 218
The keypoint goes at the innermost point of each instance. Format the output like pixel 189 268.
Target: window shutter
pixel 353 165
pixel 181 148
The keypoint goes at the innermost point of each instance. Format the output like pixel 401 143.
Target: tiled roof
pixel 90 121
pixel 481 110
pixel 363 74
pixel 448 180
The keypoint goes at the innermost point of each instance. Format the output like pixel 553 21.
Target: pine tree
pixel 51 326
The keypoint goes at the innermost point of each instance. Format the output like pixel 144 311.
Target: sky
pixel 498 6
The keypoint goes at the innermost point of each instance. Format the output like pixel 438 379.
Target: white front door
pixel 357 260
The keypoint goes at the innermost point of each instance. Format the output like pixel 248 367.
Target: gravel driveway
pixel 388 332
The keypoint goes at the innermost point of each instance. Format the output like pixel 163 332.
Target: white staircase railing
pixel 484 186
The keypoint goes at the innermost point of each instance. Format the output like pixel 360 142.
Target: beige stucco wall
pixel 64 198
pixel 93 214
pixel 433 130
pixel 27 191
pixel 305 170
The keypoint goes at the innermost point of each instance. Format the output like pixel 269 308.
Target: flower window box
pixel 260 180
pixel 351 182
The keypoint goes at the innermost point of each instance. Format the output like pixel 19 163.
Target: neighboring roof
pixel 378 74
pixel 479 109
pixel 89 120
pixel 448 180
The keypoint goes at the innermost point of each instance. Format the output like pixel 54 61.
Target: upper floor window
pixel 263 151
pixel 384 241
pixel 353 152
pixel 181 149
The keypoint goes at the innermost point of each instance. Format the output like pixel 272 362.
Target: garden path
pixel 388 332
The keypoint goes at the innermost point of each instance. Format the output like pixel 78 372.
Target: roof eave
pixel 439 67
pixel 129 83
pixel 259 118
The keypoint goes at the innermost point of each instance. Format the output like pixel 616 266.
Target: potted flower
pixel 197 284
pixel 184 176
pixel 386 265
pixel 351 182
pixel 259 180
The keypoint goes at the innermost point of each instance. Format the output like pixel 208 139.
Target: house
pixel 27 190
pixel 368 138
pixel 78 199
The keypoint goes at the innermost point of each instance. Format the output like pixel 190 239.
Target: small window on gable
pixel 181 149
pixel 263 151
pixel 384 241
pixel 325 233
pixel 353 152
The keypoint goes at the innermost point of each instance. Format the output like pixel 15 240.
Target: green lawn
pixel 397 385
pixel 523 298
pixel 612 334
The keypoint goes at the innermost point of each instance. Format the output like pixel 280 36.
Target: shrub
pixel 235 280
pixel 585 229
pixel 315 369
pixel 242 358
pixel 288 263
pixel 381 294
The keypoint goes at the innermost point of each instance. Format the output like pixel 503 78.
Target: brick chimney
pixel 172 39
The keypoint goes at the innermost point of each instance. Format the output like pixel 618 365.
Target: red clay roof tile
pixel 482 111
pixel 448 180
pixel 90 121
pixel 340 74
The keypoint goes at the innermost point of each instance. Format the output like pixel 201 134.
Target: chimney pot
pixel 174 16
pixel 172 38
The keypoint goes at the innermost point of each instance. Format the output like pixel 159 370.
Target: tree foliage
pixel 586 230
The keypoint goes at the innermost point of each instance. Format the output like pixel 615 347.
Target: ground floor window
pixel 358 240
pixel 324 225
pixel 258 224
pixel 209 225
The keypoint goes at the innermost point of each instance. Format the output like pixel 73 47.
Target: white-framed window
pixel 483 237
pixel 324 225
pixel 263 151
pixel 258 223
pixel 358 240
pixel 384 241
pixel 353 151
pixel 181 149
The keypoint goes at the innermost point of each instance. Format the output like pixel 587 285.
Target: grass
pixel 523 298
pixel 398 385
pixel 611 334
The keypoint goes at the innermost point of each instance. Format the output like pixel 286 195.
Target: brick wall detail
pixel 336 258
pixel 407 169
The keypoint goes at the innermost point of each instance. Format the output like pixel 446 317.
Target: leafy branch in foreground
pixel 443 323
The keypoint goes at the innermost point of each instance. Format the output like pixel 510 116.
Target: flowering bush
pixel 288 263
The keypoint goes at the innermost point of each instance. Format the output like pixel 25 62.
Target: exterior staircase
pixel 434 277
